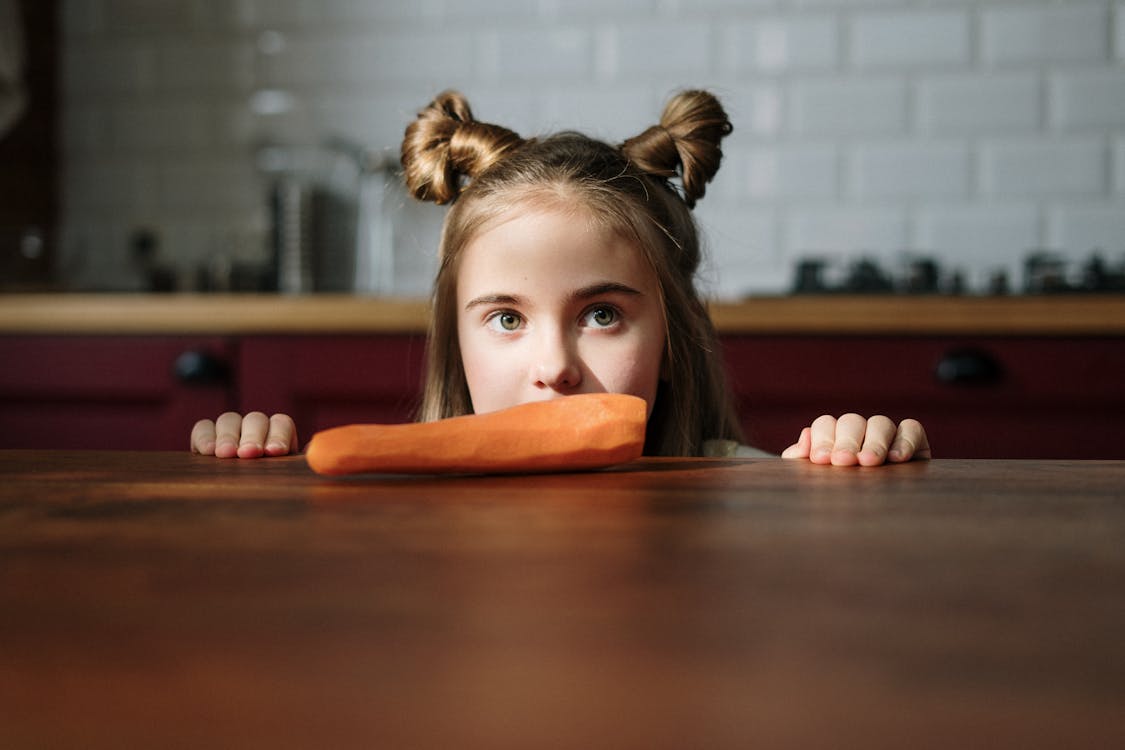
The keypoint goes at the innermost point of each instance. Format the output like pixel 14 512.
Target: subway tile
pixel 691 8
pixel 372 124
pixel 800 172
pixel 1088 98
pixel 103 184
pixel 160 126
pixel 845 230
pixel 84 130
pixel 318 60
pixel 211 67
pixel 1043 167
pixel 514 107
pixel 285 14
pixel 1044 33
pixel 204 185
pixel 1083 228
pixel 1119 165
pixel 980 102
pixel 677 54
pixel 504 11
pixel 599 9
pixel 134 16
pixel 909 169
pixel 358 12
pixel 611 113
pixel 518 53
pixel 910 37
pixel 847 106
pixel 79 18
pixel 1119 31
pixel 116 68
pixel 782 43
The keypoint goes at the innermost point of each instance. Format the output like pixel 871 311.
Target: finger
pixel 228 432
pixel 203 438
pixel 799 449
pixel 910 442
pixel 255 427
pixel 876 441
pixel 282 436
pixel 850 430
pixel 822 436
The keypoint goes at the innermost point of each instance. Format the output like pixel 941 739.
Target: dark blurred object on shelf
pixel 867 277
pixel 1045 272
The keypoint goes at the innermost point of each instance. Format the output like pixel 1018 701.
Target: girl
pixel 567 265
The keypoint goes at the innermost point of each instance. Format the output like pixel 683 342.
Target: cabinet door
pixel 110 392
pixel 978 397
pixel 326 381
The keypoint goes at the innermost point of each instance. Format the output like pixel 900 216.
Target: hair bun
pixel 445 145
pixel 684 144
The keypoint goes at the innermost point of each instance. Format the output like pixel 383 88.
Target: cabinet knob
pixel 195 367
pixel 969 367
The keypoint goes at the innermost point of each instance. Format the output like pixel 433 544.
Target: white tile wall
pixel 1063 167
pixel 1052 34
pixel 936 38
pixel 767 44
pixel 979 103
pixel 847 106
pixel 891 170
pixel 1119 26
pixel 975 130
pixel 1090 98
pixel 1118 168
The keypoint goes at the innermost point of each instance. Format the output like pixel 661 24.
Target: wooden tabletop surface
pixel 168 600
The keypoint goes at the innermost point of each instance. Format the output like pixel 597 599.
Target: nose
pixel 556 364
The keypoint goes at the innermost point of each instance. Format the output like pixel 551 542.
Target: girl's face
pixel 549 304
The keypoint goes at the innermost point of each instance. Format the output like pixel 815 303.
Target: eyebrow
pixel 584 293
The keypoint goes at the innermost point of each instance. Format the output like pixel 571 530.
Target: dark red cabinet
pixel 324 381
pixel 979 397
pixel 1017 397
pixel 117 392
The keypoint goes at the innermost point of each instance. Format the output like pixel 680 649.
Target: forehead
pixel 536 240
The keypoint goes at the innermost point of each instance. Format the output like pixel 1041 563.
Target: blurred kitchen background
pixel 973 146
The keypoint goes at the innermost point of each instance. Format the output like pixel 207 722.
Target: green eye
pixel 505 321
pixel 602 316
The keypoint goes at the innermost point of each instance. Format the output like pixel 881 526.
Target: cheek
pixel 487 374
pixel 637 372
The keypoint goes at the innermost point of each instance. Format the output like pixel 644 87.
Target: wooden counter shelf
pixel 333 313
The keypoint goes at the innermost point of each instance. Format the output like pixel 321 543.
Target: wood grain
pixel 1078 315
pixel 169 600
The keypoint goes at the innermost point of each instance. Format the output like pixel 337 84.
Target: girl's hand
pixel 852 440
pixel 251 436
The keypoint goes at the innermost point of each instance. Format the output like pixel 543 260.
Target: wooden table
pixel 165 600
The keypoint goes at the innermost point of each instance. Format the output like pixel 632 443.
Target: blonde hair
pixel 486 170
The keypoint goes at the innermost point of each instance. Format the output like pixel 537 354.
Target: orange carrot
pixel 584 431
